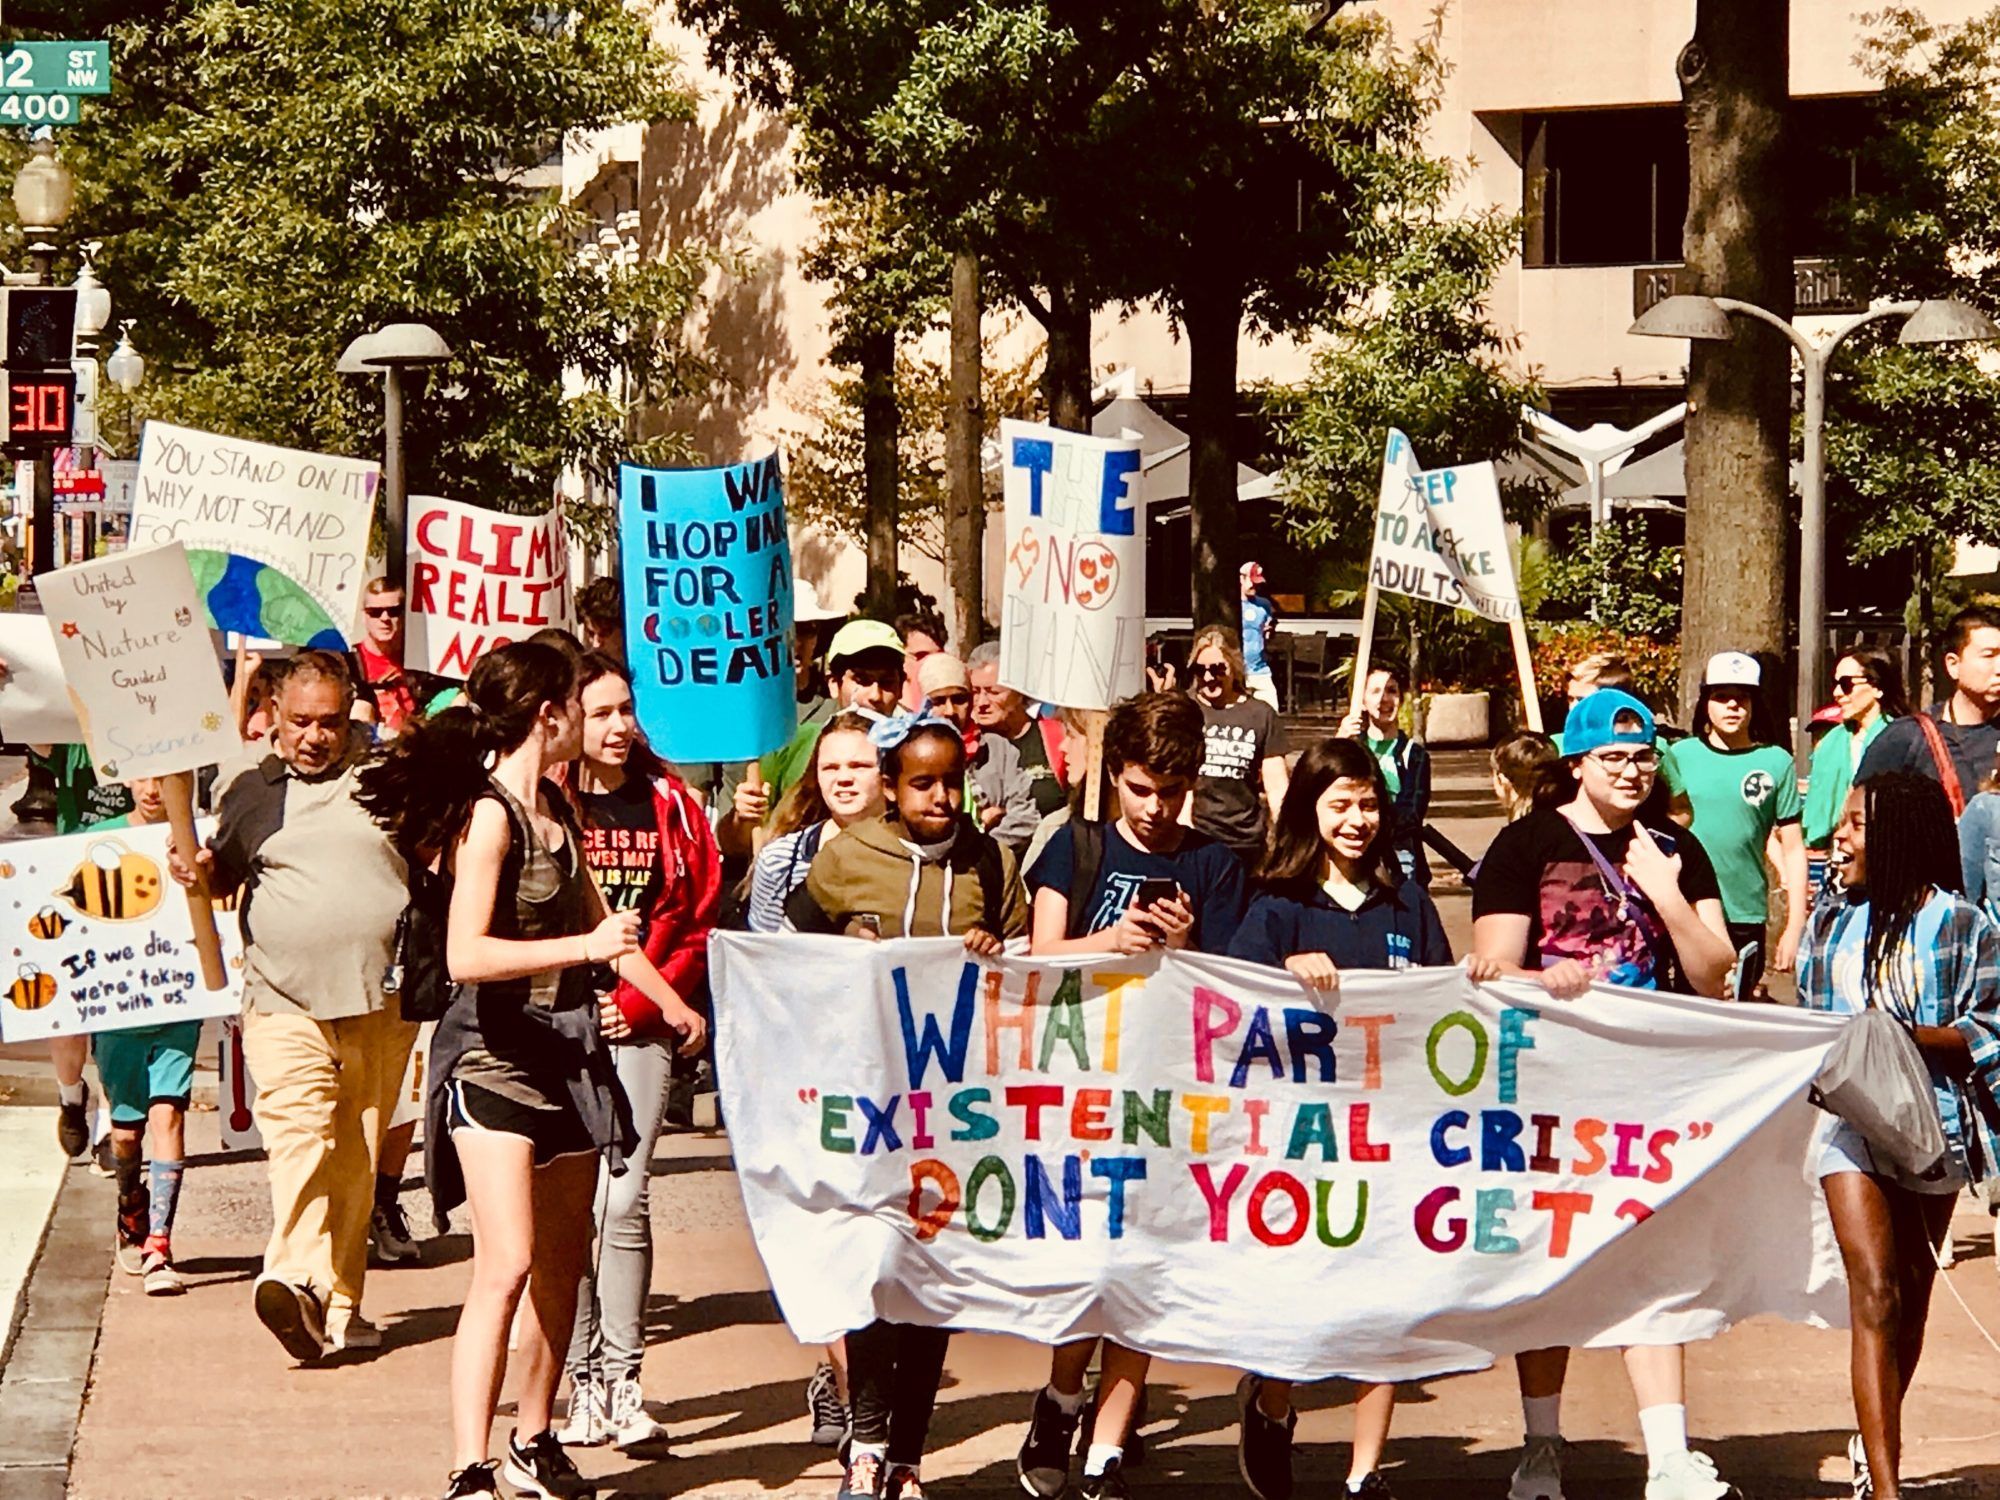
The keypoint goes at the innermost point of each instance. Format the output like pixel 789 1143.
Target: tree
pixel 1411 341
pixel 269 182
pixel 1735 85
pixel 1913 434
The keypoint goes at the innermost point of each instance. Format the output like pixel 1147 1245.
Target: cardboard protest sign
pixel 1440 535
pixel 1073 614
pixel 479 579
pixel 34 700
pixel 708 609
pixel 93 937
pixel 1205 1161
pixel 142 672
pixel 277 537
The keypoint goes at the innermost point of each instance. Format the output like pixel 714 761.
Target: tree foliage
pixel 1618 579
pixel 270 180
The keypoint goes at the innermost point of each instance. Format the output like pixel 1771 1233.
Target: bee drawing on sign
pixel 47 923
pixel 31 989
pixel 114 883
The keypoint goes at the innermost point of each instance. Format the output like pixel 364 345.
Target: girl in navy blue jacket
pixel 1330 896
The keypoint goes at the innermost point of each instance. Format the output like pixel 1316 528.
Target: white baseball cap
pixel 806 608
pixel 1732 669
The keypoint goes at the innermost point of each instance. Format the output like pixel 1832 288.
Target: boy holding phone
pixel 1144 880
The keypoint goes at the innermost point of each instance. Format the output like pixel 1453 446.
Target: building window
pixel 1609 187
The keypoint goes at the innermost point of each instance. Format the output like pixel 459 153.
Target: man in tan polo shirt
pixel 322 889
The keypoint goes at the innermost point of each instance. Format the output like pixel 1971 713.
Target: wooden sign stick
pixel 1093 766
pixel 178 792
pixel 1524 663
pixel 753 776
pixel 1364 649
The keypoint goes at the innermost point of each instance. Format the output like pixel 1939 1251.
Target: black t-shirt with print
pixel 1229 797
pixel 621 843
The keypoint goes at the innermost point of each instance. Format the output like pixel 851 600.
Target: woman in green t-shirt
pixel 1868 689
pixel 1733 781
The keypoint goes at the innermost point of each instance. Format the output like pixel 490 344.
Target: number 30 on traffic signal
pixel 38 408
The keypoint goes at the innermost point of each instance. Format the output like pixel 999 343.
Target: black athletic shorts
pixel 552 1132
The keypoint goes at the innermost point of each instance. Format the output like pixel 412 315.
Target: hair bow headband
pixel 889 732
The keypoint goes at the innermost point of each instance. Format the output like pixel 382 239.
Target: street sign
pixel 38 109
pixel 1817 287
pixel 56 68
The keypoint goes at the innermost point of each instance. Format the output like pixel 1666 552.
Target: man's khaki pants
pixel 325 1090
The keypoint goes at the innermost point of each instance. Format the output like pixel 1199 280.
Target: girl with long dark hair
pixel 1868 690
pixel 523 1096
pixel 1897 934
pixel 1331 895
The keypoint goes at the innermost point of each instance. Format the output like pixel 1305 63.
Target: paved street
pixel 190 1398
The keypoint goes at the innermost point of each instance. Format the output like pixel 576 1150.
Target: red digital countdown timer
pixel 38 409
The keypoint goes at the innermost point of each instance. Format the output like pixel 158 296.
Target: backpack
pixel 417 973
pixel 1087 843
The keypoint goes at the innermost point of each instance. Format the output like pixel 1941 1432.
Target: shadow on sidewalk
pixel 669 1317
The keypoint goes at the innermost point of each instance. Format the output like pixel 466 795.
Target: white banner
pixel 98 937
pixel 1073 615
pixel 1202 1159
pixel 278 537
pixel 1440 535
pixel 141 669
pixel 479 579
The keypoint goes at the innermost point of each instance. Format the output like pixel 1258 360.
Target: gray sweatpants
pixel 610 1334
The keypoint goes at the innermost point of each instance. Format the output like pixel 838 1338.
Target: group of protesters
pixel 513 850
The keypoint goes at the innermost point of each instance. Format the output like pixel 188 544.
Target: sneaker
pixel 1110 1485
pixel 1687 1475
pixel 824 1406
pixel 389 1237
pixel 863 1479
pixel 162 1280
pixel 473 1479
pixel 356 1333
pixel 1043 1463
pixel 903 1484
pixel 1540 1473
pixel 101 1164
pixel 626 1419
pixel 293 1315
pixel 542 1471
pixel 1263 1446
pixel 1857 1456
pixel 1373 1487
pixel 584 1428
pixel 134 1224
pixel 73 1128
pixel 1947 1252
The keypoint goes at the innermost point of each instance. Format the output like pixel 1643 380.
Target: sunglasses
pixel 1212 669
pixel 383 611
pixel 1849 684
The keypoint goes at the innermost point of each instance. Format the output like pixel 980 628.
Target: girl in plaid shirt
pixel 1895 931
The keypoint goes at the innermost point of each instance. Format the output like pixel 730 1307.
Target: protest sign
pixel 34 701
pixel 478 579
pixel 277 537
pixel 141 669
pixel 708 609
pixel 1206 1161
pixel 92 942
pixel 1073 612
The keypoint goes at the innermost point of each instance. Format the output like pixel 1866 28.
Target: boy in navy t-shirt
pixel 1152 752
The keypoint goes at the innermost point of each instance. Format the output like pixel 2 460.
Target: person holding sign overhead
pixel 1577 892
pixel 1406 765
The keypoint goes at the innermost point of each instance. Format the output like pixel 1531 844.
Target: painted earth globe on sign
pixel 253 598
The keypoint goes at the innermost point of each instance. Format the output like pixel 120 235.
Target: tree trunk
pixel 1735 82
pixel 965 517
pixel 1212 315
pixel 1066 364
pixel 881 424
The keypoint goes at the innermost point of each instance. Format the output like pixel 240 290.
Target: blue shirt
pixel 1258 613
pixel 1207 871
pixel 1393 928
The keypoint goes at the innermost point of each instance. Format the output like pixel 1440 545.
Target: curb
pixel 47 1371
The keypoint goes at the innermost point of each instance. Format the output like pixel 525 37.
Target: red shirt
pixel 394 702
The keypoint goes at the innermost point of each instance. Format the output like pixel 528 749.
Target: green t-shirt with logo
pixel 1738 797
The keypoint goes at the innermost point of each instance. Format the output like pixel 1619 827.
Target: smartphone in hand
pixel 1156 888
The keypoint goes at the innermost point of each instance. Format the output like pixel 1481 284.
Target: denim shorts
pixel 1846 1149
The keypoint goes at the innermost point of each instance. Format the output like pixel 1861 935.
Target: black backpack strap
pixel 992 873
pixel 1087 851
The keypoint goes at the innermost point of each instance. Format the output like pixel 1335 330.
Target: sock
pixel 126 1170
pixel 1543 1415
pixel 166 1177
pixel 858 1450
pixel 1665 1429
pixel 387 1189
pixel 1069 1405
pixel 73 1093
pixel 1101 1457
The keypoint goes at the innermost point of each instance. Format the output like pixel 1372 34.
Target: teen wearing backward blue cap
pixel 1581 892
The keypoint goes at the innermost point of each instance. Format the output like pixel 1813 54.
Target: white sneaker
pixel 626 1419
pixel 1857 1458
pixel 584 1427
pixel 1539 1476
pixel 1687 1475
pixel 162 1280
pixel 356 1333
pixel 1947 1255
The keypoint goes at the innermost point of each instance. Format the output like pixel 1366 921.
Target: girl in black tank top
pixel 523 1098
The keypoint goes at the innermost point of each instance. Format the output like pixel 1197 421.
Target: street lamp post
pixel 1934 321
pixel 392 350
pixel 44 193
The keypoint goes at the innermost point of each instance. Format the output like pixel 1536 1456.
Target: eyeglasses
pixel 1639 762
pixel 383 611
pixel 1211 669
pixel 1849 684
